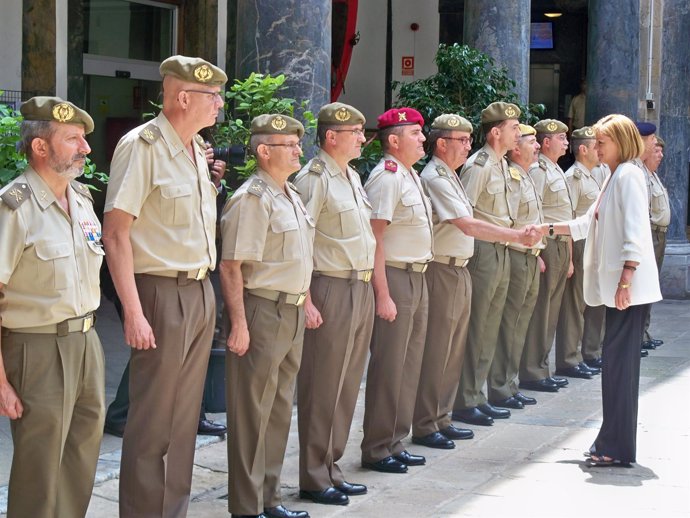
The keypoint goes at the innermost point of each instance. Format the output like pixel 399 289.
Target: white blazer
pixel 620 233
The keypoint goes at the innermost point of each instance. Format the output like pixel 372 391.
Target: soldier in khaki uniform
pixel 401 221
pixel 575 316
pixel 525 269
pixel 52 366
pixel 340 309
pixel 450 284
pixel 159 232
pixel 659 207
pixel 486 179
pixel 266 268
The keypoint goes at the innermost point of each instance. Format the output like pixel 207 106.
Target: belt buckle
pixel 201 274
pixel 367 275
pixel 87 324
pixel 301 298
pixel 424 267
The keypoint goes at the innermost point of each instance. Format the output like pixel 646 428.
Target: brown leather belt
pixel 357 275
pixel 451 261
pixel 72 325
pixel 410 267
pixel 279 296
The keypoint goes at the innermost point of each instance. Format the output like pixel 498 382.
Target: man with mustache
pixel 51 367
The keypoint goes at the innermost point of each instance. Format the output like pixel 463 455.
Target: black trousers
pixel 620 382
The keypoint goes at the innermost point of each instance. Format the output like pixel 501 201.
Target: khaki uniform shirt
pixel 171 196
pixel 397 197
pixel 486 179
pixel 584 187
pixel 659 206
pixel 269 229
pixel 49 260
pixel 600 172
pixel 448 201
pixel 336 200
pixel 550 181
pixel 529 210
pixel 576 111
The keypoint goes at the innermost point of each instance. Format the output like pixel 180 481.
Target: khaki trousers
pixel 593 333
pixel 165 387
pixel 571 318
pixel 522 296
pixel 259 394
pixel 60 381
pixel 490 271
pixel 534 364
pixel 659 242
pixel 450 295
pixel 329 377
pixel 396 359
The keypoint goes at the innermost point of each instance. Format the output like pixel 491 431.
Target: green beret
pixel 451 122
pixel 500 111
pixel 56 110
pixel 276 124
pixel 193 70
pixel 583 133
pixel 526 131
pixel 339 114
pixel 550 127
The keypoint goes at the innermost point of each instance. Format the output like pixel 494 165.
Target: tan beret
pixel 451 122
pixel 56 110
pixel 500 111
pixel 550 127
pixel 193 70
pixel 583 133
pixel 660 141
pixel 339 114
pixel 276 124
pixel 526 131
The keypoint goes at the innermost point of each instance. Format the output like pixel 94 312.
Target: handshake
pixel 530 235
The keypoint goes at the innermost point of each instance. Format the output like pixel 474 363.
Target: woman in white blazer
pixel 620 273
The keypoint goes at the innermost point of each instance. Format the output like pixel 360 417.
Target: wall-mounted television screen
pixel 541 35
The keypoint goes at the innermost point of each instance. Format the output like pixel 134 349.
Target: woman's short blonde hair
pixel 624 134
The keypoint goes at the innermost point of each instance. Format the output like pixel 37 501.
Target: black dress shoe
pixel 328 496
pixel 596 363
pixel 454 433
pixel 525 400
pixel 387 465
pixel 492 411
pixel 116 429
pixel 540 385
pixel 509 402
pixel 592 370
pixel 644 353
pixel 434 440
pixel 473 416
pixel 559 382
pixel 207 427
pixel 352 489
pixel 411 460
pixel 280 511
pixel 575 372
pixel 649 345
pixel 657 342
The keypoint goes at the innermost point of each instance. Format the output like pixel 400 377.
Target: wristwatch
pixel 551 229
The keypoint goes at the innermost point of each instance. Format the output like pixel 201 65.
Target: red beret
pixel 400 117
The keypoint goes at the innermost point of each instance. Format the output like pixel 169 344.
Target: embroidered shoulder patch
pixel 15 194
pixel 481 159
pixel 317 166
pixel 150 133
pixel 257 187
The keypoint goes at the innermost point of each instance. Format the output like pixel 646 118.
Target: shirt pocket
pixel 285 243
pixel 54 267
pixel 658 204
pixel 176 204
pixel 554 192
pixel 411 207
pixel 348 217
pixel 496 193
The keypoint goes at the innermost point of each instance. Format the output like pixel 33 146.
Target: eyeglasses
pixel 463 140
pixel 213 95
pixel 355 132
pixel 296 145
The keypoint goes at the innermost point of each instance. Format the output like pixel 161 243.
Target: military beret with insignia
pixel 583 133
pixel 55 109
pixel 645 128
pixel 276 124
pixel 526 131
pixel 451 122
pixel 339 114
pixel 500 111
pixel 193 70
pixel 550 127
pixel 399 117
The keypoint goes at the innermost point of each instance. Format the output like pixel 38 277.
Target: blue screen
pixel 541 35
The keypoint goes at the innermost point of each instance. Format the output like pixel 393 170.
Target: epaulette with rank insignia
pixel 481 159
pixel 577 173
pixel 16 194
pixel 442 171
pixel 390 165
pixel 257 187
pixel 542 164
pixel 317 166
pixel 514 173
pixel 82 189
pixel 200 140
pixel 150 133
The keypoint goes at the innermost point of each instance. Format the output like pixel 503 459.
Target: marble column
pixel 291 37
pixel 674 128
pixel 613 58
pixel 501 30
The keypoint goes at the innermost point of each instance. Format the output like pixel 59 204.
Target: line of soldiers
pixel 445 279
